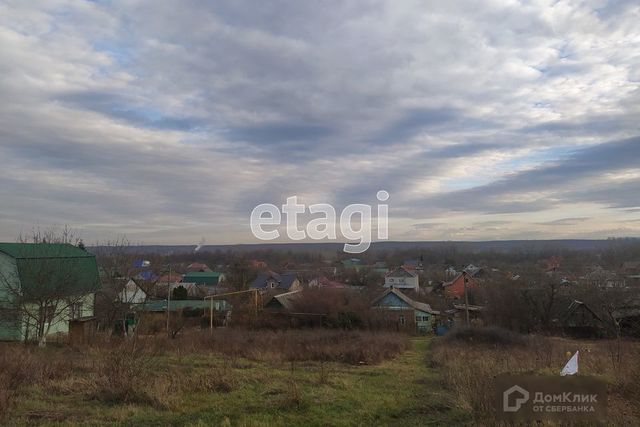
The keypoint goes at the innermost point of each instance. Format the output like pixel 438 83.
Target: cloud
pixel 560 182
pixel 565 221
pixel 127 109
pixel 167 123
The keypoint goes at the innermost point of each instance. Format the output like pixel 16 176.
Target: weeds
pixel 294 395
pixel 125 372
pixel 219 379
pixel 323 375
pixel 21 366
pixel 121 373
pixel 469 366
pixel 353 347
pixel 486 335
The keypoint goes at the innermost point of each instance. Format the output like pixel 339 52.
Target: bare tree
pixel 116 265
pixel 240 274
pixel 543 299
pixel 51 235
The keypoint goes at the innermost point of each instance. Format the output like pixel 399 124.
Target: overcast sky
pixel 168 121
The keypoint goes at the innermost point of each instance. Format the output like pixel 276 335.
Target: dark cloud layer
pixel 482 120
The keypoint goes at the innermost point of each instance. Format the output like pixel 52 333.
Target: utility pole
pixel 466 298
pixel 211 315
pixel 168 296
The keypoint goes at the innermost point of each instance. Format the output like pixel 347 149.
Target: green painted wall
pixel 9 323
pixel 60 324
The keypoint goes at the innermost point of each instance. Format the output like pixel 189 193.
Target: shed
pixel 580 321
pixel 82 330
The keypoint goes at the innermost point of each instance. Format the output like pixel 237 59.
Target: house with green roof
pixel 352 263
pixel 209 278
pixel 44 286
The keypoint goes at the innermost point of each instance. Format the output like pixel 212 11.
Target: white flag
pixel 571 367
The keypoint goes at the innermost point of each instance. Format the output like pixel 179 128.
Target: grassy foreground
pixel 402 391
pixel 468 360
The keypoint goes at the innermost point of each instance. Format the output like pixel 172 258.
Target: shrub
pixel 126 371
pixel 22 365
pixel 120 374
pixel 352 347
pixel 15 370
pixel 219 379
pixel 179 293
pixel 486 335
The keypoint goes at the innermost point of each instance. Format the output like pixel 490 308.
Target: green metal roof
pixel 203 274
pixel 53 269
pixel 161 305
pixel 43 250
pixel 210 278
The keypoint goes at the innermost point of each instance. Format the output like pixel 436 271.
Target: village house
pixel 476 272
pixel 43 287
pixel 627 316
pixel 631 267
pixel 450 273
pixel 208 278
pixel 283 302
pixel 272 281
pixel 580 321
pixel 400 311
pixel 182 314
pixel 380 267
pixel 198 266
pixel 164 282
pixel 283 309
pixel 402 278
pixel 324 282
pixel 458 314
pixel 185 290
pixel 352 263
pixel 116 304
pixel 257 264
pixel 131 293
pixel 413 264
pixel 601 278
pixel 146 275
pixel 174 277
pixel 455 288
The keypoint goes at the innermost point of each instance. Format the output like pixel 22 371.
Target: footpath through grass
pixel 403 392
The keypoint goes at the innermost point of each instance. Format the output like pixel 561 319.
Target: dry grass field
pixel 232 377
pixel 468 364
pixel 300 377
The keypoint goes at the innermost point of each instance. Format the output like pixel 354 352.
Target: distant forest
pixel 608 253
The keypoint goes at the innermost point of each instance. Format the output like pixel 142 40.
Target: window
pixel 75 310
pixel 401 319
